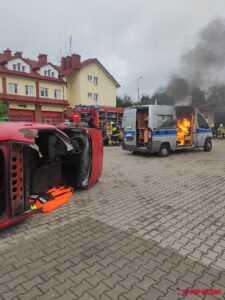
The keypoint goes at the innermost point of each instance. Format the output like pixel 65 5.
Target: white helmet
pixel 221 125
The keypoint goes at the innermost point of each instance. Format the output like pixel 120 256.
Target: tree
pixel 216 93
pixel 124 102
pixel 145 99
pixel 162 98
pixel 3 110
pixel 198 96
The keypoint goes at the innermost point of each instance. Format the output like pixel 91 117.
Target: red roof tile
pixel 34 65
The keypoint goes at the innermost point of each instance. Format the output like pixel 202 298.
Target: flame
pixel 183 129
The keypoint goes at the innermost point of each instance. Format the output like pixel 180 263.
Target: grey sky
pixel 130 37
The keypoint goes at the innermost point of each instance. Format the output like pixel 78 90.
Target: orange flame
pixel 183 129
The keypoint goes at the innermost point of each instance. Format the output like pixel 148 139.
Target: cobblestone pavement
pixel 149 226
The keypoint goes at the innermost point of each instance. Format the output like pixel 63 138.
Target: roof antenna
pixel 70 45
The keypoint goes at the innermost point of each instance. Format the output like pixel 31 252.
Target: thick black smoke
pixel 201 67
pixel 204 65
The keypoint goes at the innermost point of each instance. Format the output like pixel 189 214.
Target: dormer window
pixel 48 71
pixel 19 67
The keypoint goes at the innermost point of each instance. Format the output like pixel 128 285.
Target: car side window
pixel 202 122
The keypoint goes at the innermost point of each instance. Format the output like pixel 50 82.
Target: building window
pixel 29 90
pixel 95 80
pixel 12 88
pixel 58 94
pixel 44 92
pixel 53 74
pixel 45 73
pixel 89 78
pixel 19 67
pixel 90 96
pixel 95 97
pixel 49 72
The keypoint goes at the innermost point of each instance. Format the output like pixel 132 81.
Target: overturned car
pixel 34 157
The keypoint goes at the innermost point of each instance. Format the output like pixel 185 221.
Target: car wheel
pixel 164 150
pixel 208 145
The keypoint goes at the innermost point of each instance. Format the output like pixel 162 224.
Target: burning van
pixel 164 128
pixel 35 157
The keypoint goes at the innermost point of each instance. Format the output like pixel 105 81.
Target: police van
pixel 164 128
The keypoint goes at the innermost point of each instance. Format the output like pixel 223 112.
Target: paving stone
pixel 134 293
pixel 96 233
pixel 34 292
pixel 47 285
pixel 116 291
pixel 99 290
pixel 63 287
pixel 113 280
pixel 81 288
pixel 146 283
pixel 153 294
pixel 96 278
pixel 80 277
pixel 51 294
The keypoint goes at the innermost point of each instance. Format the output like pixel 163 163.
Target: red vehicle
pixel 99 116
pixel 34 157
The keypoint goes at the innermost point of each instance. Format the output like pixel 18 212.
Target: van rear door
pixel 129 126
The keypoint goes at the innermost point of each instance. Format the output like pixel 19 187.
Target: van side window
pixel 202 122
pixel 163 118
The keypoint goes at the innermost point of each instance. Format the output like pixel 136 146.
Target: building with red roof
pixel 40 91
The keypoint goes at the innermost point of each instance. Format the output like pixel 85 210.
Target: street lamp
pixel 139 87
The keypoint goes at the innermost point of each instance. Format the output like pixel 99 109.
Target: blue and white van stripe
pixel 165 132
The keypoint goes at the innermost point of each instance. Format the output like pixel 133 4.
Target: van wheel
pixel 208 145
pixel 164 150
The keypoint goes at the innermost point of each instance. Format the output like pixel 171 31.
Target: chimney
pixel 69 62
pixel 75 60
pixel 18 54
pixel 7 53
pixel 63 63
pixel 42 59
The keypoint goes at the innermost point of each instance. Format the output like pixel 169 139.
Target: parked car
pixel 164 128
pixel 34 157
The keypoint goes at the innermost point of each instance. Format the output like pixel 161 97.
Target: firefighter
pixel 221 131
pixel 109 133
pixel 115 133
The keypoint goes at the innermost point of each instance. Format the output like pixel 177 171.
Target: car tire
pixel 208 145
pixel 164 150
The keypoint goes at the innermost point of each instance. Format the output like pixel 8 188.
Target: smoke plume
pixel 204 65
pixel 201 67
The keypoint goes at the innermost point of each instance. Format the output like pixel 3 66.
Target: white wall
pixel 10 64
pixel 42 70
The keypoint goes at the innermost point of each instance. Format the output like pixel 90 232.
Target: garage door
pixel 51 117
pixel 19 115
